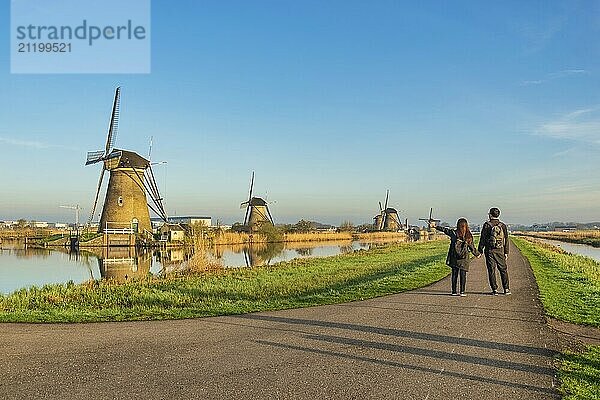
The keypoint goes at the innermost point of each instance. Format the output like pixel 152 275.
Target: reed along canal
pixel 23 267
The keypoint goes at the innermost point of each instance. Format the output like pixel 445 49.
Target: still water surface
pixel 581 249
pixel 22 267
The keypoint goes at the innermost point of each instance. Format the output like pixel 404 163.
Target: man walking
pixel 494 239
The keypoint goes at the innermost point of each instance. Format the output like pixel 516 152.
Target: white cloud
pixel 24 143
pixel 580 125
pixel 31 143
pixel 555 75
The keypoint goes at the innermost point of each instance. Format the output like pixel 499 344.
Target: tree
pixel 238 227
pixel 303 226
pixel 346 226
pixel 272 233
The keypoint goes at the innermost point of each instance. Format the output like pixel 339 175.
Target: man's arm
pixel 506 241
pixel 482 238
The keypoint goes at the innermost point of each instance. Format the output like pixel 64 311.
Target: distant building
pixel 188 220
pixel 565 228
pixel 40 224
pixel 7 224
pixel 172 233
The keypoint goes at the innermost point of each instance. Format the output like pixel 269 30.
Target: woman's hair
pixel 462 230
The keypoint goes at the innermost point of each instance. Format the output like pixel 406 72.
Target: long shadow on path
pixel 405 333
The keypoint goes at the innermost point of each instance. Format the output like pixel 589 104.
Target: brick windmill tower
pixel 125 209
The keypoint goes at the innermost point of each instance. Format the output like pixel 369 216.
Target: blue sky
pixel 458 106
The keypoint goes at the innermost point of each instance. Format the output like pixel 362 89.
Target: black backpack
pixel 461 249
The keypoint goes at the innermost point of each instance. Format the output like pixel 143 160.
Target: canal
pixel 581 249
pixel 23 267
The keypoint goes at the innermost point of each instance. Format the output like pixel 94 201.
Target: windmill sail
pixel 114 122
pixel 247 203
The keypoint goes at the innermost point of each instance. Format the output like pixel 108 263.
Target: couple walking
pixel 493 243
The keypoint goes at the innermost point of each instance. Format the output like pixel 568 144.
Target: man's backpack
pixel 496 240
pixel 461 249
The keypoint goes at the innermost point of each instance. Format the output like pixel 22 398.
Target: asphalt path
pixel 422 344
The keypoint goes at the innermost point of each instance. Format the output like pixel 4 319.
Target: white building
pixel 191 220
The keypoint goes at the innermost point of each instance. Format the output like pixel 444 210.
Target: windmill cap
pixel 257 201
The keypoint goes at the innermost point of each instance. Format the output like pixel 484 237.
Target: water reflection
pixel 22 266
pixel 258 254
pixel 304 252
pixel 124 263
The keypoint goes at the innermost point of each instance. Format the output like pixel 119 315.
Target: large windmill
pixel 257 211
pixel 387 219
pixel 125 206
pixel 431 222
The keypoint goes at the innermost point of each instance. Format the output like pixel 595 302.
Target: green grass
pixel 579 374
pixel 570 291
pixel 297 283
pixel 569 284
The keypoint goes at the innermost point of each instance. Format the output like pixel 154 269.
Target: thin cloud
pixel 580 125
pixel 555 75
pixel 31 143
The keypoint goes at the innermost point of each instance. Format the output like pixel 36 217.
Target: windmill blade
pixel 150 150
pixel 270 216
pixel 380 208
pixel 247 213
pixel 155 194
pixel 94 156
pixel 249 200
pixel 114 122
pixel 251 187
pixel 387 196
pixel 97 194
pixel 431 219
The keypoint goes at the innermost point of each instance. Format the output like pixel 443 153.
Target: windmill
pixel 387 219
pixel 125 208
pixel 430 221
pixel 257 210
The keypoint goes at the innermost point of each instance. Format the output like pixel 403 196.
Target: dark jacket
pixel 486 232
pixel 451 259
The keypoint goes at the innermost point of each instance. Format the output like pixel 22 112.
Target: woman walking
pixel 461 243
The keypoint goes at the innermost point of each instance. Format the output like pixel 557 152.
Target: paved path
pixel 422 344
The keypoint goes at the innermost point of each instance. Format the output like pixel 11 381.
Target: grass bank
pixel 570 291
pixel 297 283
pixel 569 284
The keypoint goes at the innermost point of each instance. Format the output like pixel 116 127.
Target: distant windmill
pixel 257 210
pixel 387 219
pixel 131 177
pixel 430 221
